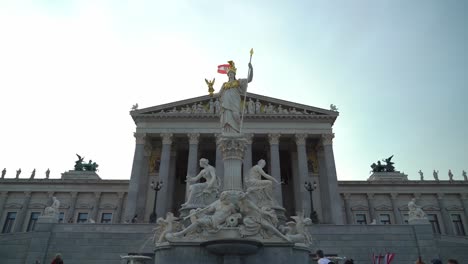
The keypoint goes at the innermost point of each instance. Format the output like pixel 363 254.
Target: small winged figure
pixel 135 107
pixel 210 86
pixel 333 107
pixel 166 226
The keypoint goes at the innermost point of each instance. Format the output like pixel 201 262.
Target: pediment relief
pixel 107 206
pixel 84 206
pixel 14 206
pixel 360 208
pixel 37 206
pixel 257 106
pixel 383 207
pixel 454 208
pixel 430 208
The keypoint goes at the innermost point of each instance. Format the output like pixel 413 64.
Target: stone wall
pixel 100 243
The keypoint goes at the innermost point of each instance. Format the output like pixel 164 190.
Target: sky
pixel 396 69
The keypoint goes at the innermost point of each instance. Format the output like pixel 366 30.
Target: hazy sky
pixel 71 70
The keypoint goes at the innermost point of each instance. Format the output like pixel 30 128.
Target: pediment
pixel 37 206
pixel 84 206
pixel 107 206
pixel 360 208
pixel 454 208
pixel 261 107
pixel 13 206
pixel 430 208
pixel 383 207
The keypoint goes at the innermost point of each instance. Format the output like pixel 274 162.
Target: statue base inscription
pixel 388 176
pixel 80 175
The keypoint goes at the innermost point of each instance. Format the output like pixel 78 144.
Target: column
pixel 94 212
pixel 275 166
pixel 396 212
pixel 464 200
pixel 192 166
pixel 445 215
pixel 303 171
pixel 71 209
pixel 219 164
pixel 247 156
pixel 143 182
pixel 3 199
pixel 335 201
pixel 22 213
pixel 164 194
pixel 118 211
pixel 349 213
pixel 135 178
pixel 370 203
pixel 323 183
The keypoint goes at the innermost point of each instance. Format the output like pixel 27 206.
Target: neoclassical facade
pixel 295 140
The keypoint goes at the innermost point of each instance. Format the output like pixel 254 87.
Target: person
pixel 321 257
pixel 230 97
pixel 349 261
pixel 198 192
pixel 452 261
pixel 436 261
pixel 58 259
pixel 419 261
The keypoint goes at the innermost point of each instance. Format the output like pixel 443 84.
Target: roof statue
pixel 80 166
pixel 333 107
pixel 379 167
pixel 135 107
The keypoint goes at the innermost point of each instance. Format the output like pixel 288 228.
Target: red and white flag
pixel 223 68
pixel 388 258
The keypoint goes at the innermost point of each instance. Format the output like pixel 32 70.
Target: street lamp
pixel 156 187
pixel 310 188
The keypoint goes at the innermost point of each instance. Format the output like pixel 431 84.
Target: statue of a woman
pixel 230 97
pixel 203 193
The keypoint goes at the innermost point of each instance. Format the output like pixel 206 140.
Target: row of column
pixel 446 219
pixel 331 203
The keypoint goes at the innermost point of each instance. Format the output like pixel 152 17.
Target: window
pixel 9 221
pixel 434 223
pixel 32 221
pixel 61 217
pixel 106 218
pixel 458 225
pixel 385 219
pixel 82 218
pixel 361 219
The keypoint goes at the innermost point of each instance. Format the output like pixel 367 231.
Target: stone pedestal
pixel 80 175
pixel 420 221
pixel 388 176
pixel 48 219
pixel 233 148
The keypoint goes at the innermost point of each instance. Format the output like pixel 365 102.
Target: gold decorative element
pixel 232 67
pixel 155 160
pixel 210 86
pixel 231 84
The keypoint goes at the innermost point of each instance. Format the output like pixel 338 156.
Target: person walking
pixel 58 259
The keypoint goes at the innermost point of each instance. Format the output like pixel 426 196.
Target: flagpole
pixel 245 98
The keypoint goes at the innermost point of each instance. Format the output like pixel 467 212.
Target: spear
pixel 245 96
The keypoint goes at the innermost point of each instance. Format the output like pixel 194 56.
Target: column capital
pixel 393 196
pixel 166 138
pixel 249 137
pixel 50 194
pixel 346 196
pixel 440 196
pixel 3 194
pixel 140 138
pixel 74 194
pixel 120 195
pixel 97 195
pixel 193 138
pixel 417 195
pixel 327 139
pixel 370 196
pixel 301 138
pixel 27 194
pixel 274 138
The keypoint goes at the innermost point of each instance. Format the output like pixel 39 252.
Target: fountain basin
pixel 136 259
pixel 236 247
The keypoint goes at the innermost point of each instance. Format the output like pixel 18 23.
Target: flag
pixel 223 68
pixel 388 258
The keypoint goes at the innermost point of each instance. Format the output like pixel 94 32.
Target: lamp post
pixel 310 187
pixel 156 187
